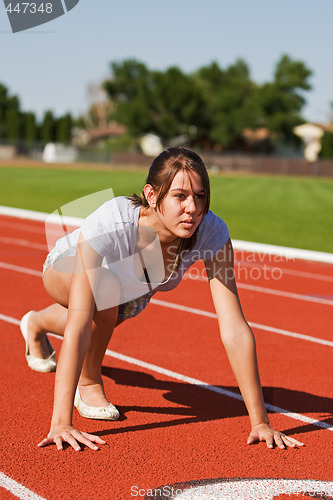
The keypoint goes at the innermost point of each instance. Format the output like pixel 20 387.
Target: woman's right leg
pixel 53 319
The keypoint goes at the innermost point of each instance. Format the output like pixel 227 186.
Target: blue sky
pixel 51 67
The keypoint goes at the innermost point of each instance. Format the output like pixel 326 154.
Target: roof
pixel 112 130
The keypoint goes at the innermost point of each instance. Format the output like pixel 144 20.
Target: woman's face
pixel 181 211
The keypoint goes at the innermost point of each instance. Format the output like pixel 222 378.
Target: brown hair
pixel 161 174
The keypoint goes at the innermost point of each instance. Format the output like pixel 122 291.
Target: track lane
pixel 303 317
pixel 254 269
pixel 171 433
pixel 185 346
pixel 160 415
pixel 169 304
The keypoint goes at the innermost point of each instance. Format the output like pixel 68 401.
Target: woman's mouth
pixel 188 224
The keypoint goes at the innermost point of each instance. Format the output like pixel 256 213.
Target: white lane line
pixel 17 489
pixel 281 293
pixel 287 252
pixel 29 229
pixel 291 334
pixel 20 269
pixel 9 319
pixel 241 263
pixel 23 227
pixel 272 329
pixel 193 381
pixel 261 289
pixel 248 246
pixel 249 489
pixel 179 307
pixel 284 270
pixel 213 388
pixel 23 243
pixel 192 310
pixel 22 213
pixel 188 275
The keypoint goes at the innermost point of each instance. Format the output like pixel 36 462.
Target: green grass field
pixel 289 211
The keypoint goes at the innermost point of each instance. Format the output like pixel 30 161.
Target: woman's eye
pixel 179 195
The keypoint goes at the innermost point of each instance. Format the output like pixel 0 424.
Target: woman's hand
pixel 67 434
pixel 263 432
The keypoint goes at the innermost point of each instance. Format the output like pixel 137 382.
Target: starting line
pixel 234 488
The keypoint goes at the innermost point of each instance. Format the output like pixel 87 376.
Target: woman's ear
pixel 151 195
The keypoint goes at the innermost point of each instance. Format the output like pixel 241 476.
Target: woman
pixel 106 272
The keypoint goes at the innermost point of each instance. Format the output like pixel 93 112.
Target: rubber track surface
pixel 170 431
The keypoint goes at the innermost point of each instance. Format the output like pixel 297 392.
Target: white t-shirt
pixel 111 231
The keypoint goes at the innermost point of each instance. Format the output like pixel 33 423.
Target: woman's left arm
pixel 239 343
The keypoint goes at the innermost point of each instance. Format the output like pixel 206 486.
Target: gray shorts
pixel 125 311
pixel 54 255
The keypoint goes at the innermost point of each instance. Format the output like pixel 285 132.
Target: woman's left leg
pixel 54 320
pixel 90 382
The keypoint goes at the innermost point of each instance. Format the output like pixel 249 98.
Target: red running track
pixel 172 431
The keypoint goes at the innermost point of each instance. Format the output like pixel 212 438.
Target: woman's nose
pixel 190 205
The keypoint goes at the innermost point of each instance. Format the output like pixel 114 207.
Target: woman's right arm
pixel 76 342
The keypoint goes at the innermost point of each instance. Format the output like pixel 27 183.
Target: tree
pixel 20 127
pixel 281 101
pixel 129 88
pixel 30 131
pixel 229 103
pixel 13 119
pixel 327 140
pixel 3 109
pixel 166 103
pixel 176 104
pixel 212 103
pixel 64 126
pixel 327 145
pixel 48 127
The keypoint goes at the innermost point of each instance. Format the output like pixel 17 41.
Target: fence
pixel 216 163
pixel 271 165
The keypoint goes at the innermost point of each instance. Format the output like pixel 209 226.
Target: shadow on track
pixel 201 405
